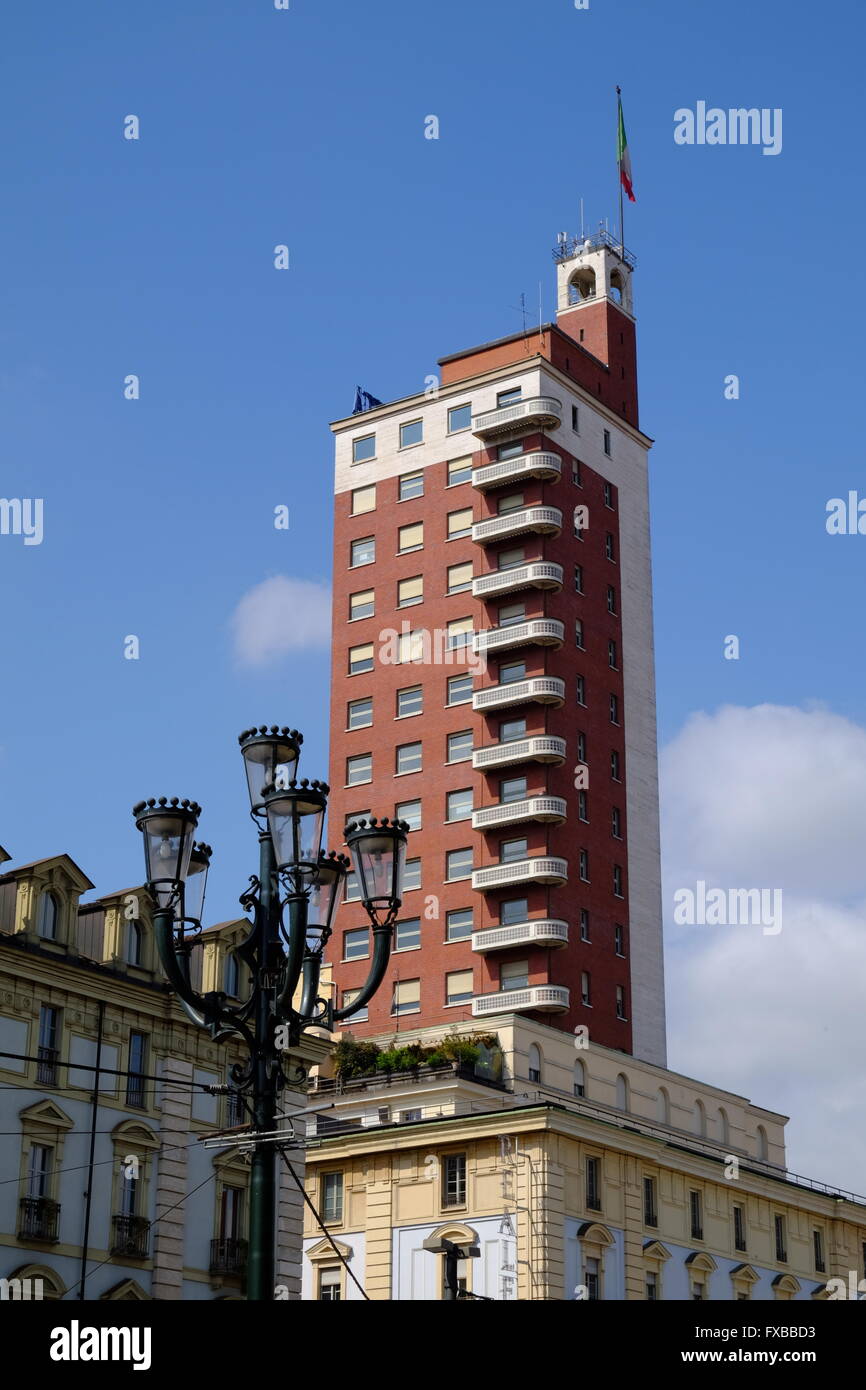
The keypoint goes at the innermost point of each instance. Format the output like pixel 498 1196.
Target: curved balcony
pixel 540 690
pixel 535 632
pixel 552 999
pixel 545 931
pixel 538 574
pixel 539 464
pixel 543 521
pixel 539 748
pixel 543 869
pixel 551 810
pixel 535 413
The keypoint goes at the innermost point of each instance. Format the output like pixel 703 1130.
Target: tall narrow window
pixel 696 1215
pixel 650 1203
pixel 136 1081
pixel 49 1052
pixel 781 1242
pixel 454 1180
pixel 332 1197
pixel 46 919
pixel 739 1228
pixel 593 1184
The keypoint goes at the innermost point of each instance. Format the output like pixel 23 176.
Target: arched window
pixel 663 1106
pixel 763 1146
pixel 232 975
pixel 46 920
pixel 622 1092
pixel 724 1127
pixel 133 943
pixel 581 286
pixel 534 1063
pixel 700 1119
pixel 579 1079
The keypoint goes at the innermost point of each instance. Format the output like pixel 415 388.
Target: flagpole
pixel 619 172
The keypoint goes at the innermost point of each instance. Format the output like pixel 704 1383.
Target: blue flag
pixel 363 401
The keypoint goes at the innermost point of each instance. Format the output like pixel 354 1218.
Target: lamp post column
pixel 262 1255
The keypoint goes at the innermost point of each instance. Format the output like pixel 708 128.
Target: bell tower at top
pixel 595 307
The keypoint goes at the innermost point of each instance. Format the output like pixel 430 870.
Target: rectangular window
pixel 458 634
pixel 585 989
pixel 614 765
pixel 359 769
pixel 410 591
pixel 611 599
pixel 581 690
pixel 509 451
pixel 511 559
pixel 460 746
pixel 362 605
pixel 511 613
pixel 410 537
pixel 578 633
pixel 592 1279
pixel 608 496
pixel 576 473
pixel 409 811
pixel 363 552
pixel 614 709
pixel 781 1243
pixel 610 546
pixel 410 700
pixel 454 1180
pixel 39 1164
pixel 411 647
pixel 607 442
pixel 512 502
pixel 458 924
pixel 509 397
pixel 616 823
pixel 510 671
pixel 458 864
pixel 583 865
pixel 332 1196
pixel 460 523
pixel 364 448
pixel 511 851
pixel 458 987
pixel 331 1283
pixel 513 974
pixel 411 433
pixel 49 1051
pixel 652 1286
pixel 611 655
pixel 584 924
pixel 650 1205
pixel 356 944
pixel 408 758
pixel 583 806
pixel 361 659
pixel 578 579
pixel 459 418
pixel 459 578
pixel 818 1247
pixel 619 940
pixel 407 997
pixel 407 935
pixel 513 910
pixel 459 471
pixel 349 997
pixel 512 789
pixel 593 1184
pixel 410 485
pixel 696 1215
pixel 458 804
pixel 618 881
pixel 359 713
pixel 352 888
pixel 411 875
pixel 459 690
pixel 136 1081
pixel 739 1228
pixel 581 747
pixel 363 499
pixel 620 1001
pixel 510 730
pixel 575 419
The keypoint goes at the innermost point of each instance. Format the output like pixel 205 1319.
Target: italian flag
pixel 622 153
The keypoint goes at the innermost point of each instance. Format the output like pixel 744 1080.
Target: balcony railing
pixel 551 809
pixel 536 412
pixel 38 1218
pixel 46 1065
pixel 551 999
pixel 535 632
pixel 546 931
pixel 535 465
pixel 544 521
pixel 541 690
pixel 131 1236
pixel 538 574
pixel 542 869
pixel 228 1255
pixel 540 748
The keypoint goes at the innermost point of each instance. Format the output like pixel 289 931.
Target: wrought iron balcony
pixel 551 999
pixel 539 748
pixel 46 1065
pixel 544 868
pixel 131 1236
pixel 552 809
pixel 537 574
pixel 541 690
pixel 544 931
pixel 535 632
pixel 535 465
pixel 228 1255
pixel 543 521
pixel 38 1219
pixel 534 413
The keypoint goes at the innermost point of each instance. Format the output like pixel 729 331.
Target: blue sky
pixel 306 127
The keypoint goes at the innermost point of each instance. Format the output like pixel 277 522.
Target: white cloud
pixel 774 797
pixel 281 615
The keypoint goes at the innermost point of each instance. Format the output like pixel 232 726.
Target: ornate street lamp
pixel 292 903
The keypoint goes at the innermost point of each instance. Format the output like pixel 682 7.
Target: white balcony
pixel 551 999
pixel 544 931
pixel 535 465
pixel 550 809
pixel 537 574
pixel 542 869
pixel 543 521
pixel 535 632
pixel 539 748
pixel 535 413
pixel 539 690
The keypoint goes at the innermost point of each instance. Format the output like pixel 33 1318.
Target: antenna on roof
pixel 581 219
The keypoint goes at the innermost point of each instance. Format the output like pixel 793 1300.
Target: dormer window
pixel 133 943
pixel 46 919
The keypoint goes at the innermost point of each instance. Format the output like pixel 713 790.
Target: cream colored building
pixel 580 1174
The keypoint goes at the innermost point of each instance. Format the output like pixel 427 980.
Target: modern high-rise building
pixel 493 680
